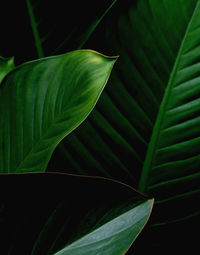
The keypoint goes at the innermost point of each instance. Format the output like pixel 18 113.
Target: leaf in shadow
pixel 67 214
pixel 146 123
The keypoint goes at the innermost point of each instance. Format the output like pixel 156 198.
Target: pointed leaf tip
pixel 63 90
pixel 6 65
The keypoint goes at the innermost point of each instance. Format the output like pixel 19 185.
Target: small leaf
pixel 42 101
pixel 147 120
pixel 6 65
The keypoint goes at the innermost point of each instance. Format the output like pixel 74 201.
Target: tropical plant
pixel 143 131
pixel 41 102
pixel 147 119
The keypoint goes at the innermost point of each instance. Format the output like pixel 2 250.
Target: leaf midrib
pixel 44 137
pixel 150 155
pixel 56 121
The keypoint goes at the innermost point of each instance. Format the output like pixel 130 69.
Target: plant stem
pixel 37 39
pixel 96 23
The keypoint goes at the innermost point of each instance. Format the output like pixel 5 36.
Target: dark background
pixel 60 20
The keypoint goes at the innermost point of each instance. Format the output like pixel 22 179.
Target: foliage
pixel 58 209
pixel 144 129
pixel 44 100
pixel 41 102
pixel 147 118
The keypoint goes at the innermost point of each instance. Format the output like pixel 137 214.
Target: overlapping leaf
pixel 154 90
pixel 151 105
pixel 43 101
pixel 70 215
pixel 35 118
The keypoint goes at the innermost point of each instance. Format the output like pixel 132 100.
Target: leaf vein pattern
pixel 151 152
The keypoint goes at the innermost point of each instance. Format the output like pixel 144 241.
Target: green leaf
pixel 6 65
pixel 64 218
pixel 147 120
pixel 42 101
pixel 175 136
pixel 113 237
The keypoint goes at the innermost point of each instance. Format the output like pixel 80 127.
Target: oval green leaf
pixel 44 100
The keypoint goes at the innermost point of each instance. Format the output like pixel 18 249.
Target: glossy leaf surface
pixel 38 219
pixel 147 121
pixel 42 101
pixel 113 237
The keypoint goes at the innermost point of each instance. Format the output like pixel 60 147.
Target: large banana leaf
pixel 145 129
pixel 42 101
pixel 68 215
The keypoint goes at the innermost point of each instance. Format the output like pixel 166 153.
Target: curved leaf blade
pixel 64 214
pixel 42 101
pixel 175 135
pixel 114 237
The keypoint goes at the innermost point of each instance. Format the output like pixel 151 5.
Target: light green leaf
pixel 42 101
pixel 113 237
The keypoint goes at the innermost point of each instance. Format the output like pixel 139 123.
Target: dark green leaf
pixel 42 101
pixel 147 120
pixel 63 214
